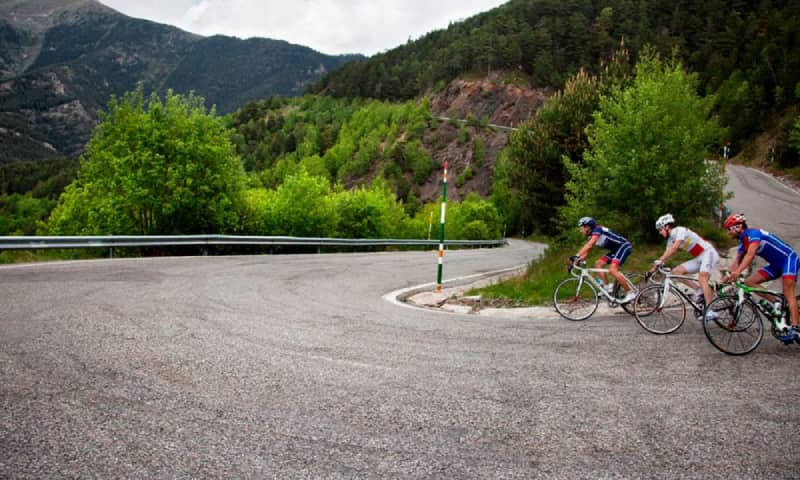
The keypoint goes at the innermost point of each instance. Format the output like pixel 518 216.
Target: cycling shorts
pixel 706 262
pixel 786 269
pixel 619 257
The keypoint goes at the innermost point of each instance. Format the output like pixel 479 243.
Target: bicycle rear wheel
pixel 658 313
pixel 575 299
pixel 737 329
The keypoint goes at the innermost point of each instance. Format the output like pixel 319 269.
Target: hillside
pixel 354 141
pixel 746 52
pixel 61 60
pixel 489 100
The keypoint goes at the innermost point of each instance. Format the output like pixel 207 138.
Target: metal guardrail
pixel 113 241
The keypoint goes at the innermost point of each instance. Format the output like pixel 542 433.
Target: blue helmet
pixel 587 221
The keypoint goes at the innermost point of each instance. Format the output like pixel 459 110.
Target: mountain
pixel 746 52
pixel 61 60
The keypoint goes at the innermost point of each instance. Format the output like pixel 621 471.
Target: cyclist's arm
pixel 745 261
pixel 670 251
pixel 584 252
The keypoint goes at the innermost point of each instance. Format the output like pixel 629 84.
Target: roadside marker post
pixel 726 150
pixel 441 233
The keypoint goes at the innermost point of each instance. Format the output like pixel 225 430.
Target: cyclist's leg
pixel 708 262
pixel 688 267
pixel 601 263
pixel 789 284
pixel 765 274
pixel 618 259
pixel 789 280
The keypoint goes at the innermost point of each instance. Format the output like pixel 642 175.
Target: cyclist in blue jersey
pixel 619 249
pixel 781 258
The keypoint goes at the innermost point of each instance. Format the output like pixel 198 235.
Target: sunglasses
pixel 733 228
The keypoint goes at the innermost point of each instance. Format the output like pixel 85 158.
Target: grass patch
pixel 536 285
pixel 33 256
pixel 794 173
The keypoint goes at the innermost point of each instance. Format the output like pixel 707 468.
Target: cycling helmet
pixel 735 219
pixel 664 220
pixel 587 221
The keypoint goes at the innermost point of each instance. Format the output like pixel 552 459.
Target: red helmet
pixel 735 219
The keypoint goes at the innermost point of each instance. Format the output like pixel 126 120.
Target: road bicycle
pixel 660 308
pixel 577 297
pixel 738 327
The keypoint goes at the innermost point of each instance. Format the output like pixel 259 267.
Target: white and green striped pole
pixel 441 232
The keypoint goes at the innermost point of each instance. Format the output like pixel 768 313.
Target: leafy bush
pixel 302 206
pixel 465 176
pixel 659 125
pixel 479 152
pixel 369 213
pixel 475 230
pixel 418 160
pixel 22 214
pixel 473 209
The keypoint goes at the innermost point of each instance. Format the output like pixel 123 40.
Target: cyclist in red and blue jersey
pixel 619 249
pixel 781 258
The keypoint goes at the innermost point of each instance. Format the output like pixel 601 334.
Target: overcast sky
pixel 328 26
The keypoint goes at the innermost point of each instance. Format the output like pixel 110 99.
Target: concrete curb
pixel 425 297
pixel 429 299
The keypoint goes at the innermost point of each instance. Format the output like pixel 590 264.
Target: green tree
pixel 537 174
pixel 646 155
pixel 22 214
pixel 473 219
pixel 154 167
pixel 372 212
pixel 302 206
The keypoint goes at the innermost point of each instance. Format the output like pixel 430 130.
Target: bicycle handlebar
pixel 574 263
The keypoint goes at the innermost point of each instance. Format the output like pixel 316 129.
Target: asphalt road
pixel 766 202
pixel 295 367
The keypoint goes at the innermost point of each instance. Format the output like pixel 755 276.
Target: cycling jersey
pixel 607 238
pixel 618 246
pixel 692 242
pixel 783 261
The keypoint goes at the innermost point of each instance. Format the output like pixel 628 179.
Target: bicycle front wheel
pixel 575 299
pixel 732 328
pixel 658 312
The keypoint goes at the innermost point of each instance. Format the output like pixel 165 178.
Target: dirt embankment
pixel 488 99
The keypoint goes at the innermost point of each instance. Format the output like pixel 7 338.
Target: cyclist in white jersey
pixel 705 255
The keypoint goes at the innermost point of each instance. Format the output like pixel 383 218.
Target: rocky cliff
pixel 475 102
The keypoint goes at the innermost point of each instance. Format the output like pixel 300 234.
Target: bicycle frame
pixel 584 274
pixel 743 292
pixel 668 283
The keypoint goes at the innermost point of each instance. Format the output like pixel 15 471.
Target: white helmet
pixel 664 220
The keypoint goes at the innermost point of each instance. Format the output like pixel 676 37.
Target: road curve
pixel 766 202
pixel 294 367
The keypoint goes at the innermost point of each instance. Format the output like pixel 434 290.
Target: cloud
pixel 195 13
pixel 329 26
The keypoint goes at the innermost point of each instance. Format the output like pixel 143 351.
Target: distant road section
pixel 492 125
pixel 767 203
